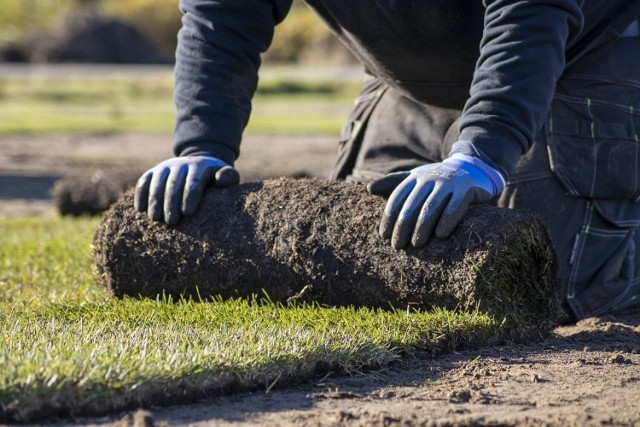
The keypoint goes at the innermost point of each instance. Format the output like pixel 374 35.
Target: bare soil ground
pixel 584 374
pixel 30 165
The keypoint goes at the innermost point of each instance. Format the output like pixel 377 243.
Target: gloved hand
pixel 174 187
pixel 433 197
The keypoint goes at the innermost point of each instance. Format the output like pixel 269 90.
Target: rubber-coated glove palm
pixel 174 187
pixel 433 197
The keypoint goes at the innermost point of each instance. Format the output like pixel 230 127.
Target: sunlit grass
pixel 46 259
pixel 66 344
pixel 81 104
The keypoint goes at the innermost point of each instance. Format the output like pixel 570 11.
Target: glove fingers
pixel 407 219
pixel 429 216
pixel 141 197
pixel 174 193
pixel 453 214
pixel 197 180
pixel 384 186
pixel 156 194
pixel 393 207
pixel 227 176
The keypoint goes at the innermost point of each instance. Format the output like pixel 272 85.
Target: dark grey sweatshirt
pixel 498 59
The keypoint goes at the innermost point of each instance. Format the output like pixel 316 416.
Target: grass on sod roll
pixel 77 104
pixel 67 348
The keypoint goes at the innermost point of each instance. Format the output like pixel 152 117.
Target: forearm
pixel 522 56
pixel 216 72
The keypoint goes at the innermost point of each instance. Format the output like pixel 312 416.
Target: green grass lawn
pixel 68 348
pixel 79 104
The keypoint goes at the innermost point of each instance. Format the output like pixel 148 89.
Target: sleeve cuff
pixel 211 149
pixel 497 180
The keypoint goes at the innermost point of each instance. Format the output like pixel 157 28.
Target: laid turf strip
pixel 74 359
pixel 92 192
pixel 314 241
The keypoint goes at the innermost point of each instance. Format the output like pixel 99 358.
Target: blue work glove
pixel 433 197
pixel 174 187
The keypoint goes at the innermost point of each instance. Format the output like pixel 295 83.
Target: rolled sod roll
pixel 302 240
pixel 92 192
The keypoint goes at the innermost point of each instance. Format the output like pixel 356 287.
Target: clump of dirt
pixel 92 193
pixel 313 240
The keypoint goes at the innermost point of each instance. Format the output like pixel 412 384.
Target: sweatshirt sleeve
pixel 522 55
pixel 216 72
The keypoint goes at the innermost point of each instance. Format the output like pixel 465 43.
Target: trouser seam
pixel 571 297
pixel 632 285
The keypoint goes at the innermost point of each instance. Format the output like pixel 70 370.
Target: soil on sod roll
pixel 311 240
pixel 93 192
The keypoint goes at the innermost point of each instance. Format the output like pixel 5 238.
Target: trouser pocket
pixel 604 261
pixel 351 134
pixel 594 146
pixel 594 152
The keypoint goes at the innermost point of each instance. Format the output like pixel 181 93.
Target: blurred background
pixel 136 31
pixel 86 90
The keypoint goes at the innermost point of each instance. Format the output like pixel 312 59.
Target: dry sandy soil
pixel 584 374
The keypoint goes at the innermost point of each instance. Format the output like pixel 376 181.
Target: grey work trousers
pixel 582 174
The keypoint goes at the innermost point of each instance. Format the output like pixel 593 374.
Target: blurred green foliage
pixel 19 17
pixel 159 19
pixel 300 37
